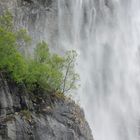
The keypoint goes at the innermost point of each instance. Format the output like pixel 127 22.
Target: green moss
pixel 26 114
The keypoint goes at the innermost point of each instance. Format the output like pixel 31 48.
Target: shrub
pixel 46 71
pixel 11 61
pixel 70 77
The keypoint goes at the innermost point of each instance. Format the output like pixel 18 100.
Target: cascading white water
pixel 106 35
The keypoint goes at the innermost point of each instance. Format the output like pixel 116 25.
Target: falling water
pixel 106 35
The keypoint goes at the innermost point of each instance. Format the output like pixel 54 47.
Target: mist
pixel 105 34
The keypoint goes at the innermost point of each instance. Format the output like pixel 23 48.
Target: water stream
pixel 106 35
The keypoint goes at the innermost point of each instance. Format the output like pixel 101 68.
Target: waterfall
pixel 106 35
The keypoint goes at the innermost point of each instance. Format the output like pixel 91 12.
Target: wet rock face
pixel 45 3
pixel 38 17
pixel 22 118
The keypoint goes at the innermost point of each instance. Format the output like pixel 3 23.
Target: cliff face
pixel 23 117
pixel 39 17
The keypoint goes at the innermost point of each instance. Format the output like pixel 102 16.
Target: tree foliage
pixel 70 76
pixel 11 61
pixel 46 71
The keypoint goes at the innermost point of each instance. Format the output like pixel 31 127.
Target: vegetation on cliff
pixel 43 70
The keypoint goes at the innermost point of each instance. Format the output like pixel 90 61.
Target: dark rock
pixel 53 120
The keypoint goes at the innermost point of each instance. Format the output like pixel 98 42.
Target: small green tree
pixel 70 77
pixel 12 62
pixel 53 72
pixel 45 70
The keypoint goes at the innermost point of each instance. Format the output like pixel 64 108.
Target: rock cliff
pixel 38 17
pixel 24 117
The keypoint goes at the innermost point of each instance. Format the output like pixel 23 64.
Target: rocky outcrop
pixel 38 17
pixel 23 117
